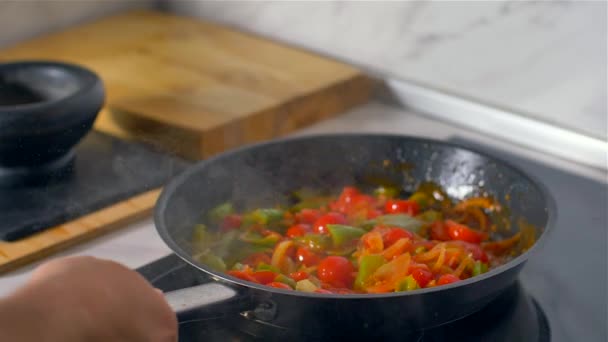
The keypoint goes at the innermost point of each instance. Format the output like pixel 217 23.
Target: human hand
pixel 88 299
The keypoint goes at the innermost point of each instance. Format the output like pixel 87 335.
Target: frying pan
pixel 262 174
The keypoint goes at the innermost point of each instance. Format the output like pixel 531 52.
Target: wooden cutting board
pixel 190 87
pixel 196 88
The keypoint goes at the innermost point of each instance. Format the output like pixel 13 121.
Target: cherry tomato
pixel 320 225
pixel 279 285
pixel 297 230
pixel 231 222
pixel 336 271
pixel 242 275
pixel 458 231
pixel 297 276
pixel 439 232
pixel 305 256
pixel 346 198
pixel 422 276
pixel 264 277
pixel 476 251
pixel 447 279
pixel 401 207
pixel 348 194
pixel 362 206
pixel 308 216
pixel 394 234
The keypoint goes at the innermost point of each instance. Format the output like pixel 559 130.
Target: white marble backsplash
pixel 546 59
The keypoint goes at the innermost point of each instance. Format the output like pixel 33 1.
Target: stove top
pixel 514 316
pixel 561 294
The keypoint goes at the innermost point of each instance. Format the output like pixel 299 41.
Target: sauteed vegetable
pixel 358 242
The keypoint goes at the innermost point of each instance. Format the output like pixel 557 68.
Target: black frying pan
pixel 259 175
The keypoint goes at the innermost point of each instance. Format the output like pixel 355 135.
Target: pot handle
pixel 205 301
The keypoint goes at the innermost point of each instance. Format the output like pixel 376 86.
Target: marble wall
pixel 546 59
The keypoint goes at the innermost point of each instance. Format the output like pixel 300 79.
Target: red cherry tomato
pixel 348 194
pixel 320 225
pixel 264 277
pixel 243 276
pixel 336 271
pixel 439 232
pixel 231 222
pixel 297 230
pixel 447 279
pixel 401 207
pixel 344 201
pixel 308 216
pixel 458 231
pixel 476 251
pixel 306 256
pixel 297 276
pixel 279 285
pixel 422 276
pixel 394 234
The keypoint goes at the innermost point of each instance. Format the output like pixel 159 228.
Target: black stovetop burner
pixel 513 316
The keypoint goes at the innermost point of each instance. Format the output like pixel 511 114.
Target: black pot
pixel 45 109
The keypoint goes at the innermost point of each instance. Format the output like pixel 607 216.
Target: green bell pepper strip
pixel 430 216
pixel 367 266
pixel 479 268
pixel 315 242
pixel 386 191
pixel 342 234
pixel 281 278
pixel 265 267
pixel 200 237
pixel 399 220
pixel 257 239
pixel 421 198
pixel 265 216
pixel 224 245
pixel 212 261
pixel 220 212
pixel 407 284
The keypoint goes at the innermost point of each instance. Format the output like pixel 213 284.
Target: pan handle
pixel 205 301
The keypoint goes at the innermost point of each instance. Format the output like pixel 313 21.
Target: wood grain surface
pixel 196 88
pixel 37 246
pixel 190 87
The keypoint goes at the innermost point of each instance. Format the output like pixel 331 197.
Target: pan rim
pixel 170 188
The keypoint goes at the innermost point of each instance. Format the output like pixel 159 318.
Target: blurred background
pixel 543 59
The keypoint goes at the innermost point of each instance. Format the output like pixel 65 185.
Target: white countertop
pixel 139 244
